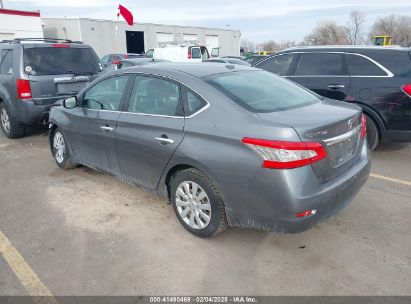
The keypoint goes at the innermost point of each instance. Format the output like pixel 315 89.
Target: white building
pixel 107 36
pixel 20 24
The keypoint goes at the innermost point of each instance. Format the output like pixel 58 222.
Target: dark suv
pixel 376 78
pixel 35 73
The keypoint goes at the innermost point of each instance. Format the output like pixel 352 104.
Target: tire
pixel 60 151
pixel 373 134
pixel 211 205
pixel 10 127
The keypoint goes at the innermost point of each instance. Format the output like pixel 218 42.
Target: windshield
pixel 49 61
pixel 260 91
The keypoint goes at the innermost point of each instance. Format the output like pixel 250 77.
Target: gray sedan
pixel 226 145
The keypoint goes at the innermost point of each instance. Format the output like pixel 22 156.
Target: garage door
pixel 212 41
pixel 190 37
pixel 164 37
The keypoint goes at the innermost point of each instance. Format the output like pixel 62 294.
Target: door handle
pixel 336 86
pixel 164 140
pixel 106 128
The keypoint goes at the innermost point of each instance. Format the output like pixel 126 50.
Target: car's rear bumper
pixel 274 206
pixel 28 113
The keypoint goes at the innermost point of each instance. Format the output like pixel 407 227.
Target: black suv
pixel 35 73
pixel 376 78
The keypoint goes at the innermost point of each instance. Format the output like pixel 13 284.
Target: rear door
pixel 92 125
pixel 149 130
pixel 58 70
pixel 324 73
pixel 195 54
pixel 7 82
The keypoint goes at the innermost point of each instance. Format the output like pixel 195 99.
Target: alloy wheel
pixel 193 205
pixel 5 121
pixel 60 147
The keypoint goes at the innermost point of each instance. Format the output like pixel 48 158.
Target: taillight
pixel 407 89
pixel 23 89
pixel 284 154
pixel 363 126
pixel 189 54
pixel 61 45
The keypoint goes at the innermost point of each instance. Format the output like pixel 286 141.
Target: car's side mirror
pixel 70 102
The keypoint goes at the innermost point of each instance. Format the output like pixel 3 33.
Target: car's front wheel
pixel 197 203
pixel 61 152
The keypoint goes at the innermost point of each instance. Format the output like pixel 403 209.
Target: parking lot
pixel 81 232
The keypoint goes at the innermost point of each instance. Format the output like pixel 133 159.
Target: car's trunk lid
pixel 336 125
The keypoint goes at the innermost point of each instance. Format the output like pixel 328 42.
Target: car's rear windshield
pixel 65 60
pixel 261 92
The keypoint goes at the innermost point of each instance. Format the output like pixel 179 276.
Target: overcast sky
pixel 258 20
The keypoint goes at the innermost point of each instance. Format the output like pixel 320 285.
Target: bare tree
pixel 269 46
pixel 327 32
pixel 354 28
pixel 399 27
pixel 248 45
pixel 287 44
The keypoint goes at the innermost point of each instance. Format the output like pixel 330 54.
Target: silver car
pixel 226 145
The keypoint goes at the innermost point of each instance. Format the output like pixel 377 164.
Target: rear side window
pixel 61 60
pixel 155 96
pixel 6 67
pixel 279 65
pixel 321 64
pixel 360 66
pixel 194 103
pixel 260 91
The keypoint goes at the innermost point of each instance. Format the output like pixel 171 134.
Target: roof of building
pixel 19 13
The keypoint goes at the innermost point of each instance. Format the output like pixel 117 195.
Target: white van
pixel 182 53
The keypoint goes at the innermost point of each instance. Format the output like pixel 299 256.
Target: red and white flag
pixel 127 15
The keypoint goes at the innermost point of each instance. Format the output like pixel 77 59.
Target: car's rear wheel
pixel 197 203
pixel 373 134
pixel 61 152
pixel 10 127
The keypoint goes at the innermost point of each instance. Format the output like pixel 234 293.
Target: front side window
pixel 6 66
pixel 260 91
pixel 155 96
pixel 279 65
pixel 360 66
pixel 106 95
pixel 321 64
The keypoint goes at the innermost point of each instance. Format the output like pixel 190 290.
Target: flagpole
pixel 1 3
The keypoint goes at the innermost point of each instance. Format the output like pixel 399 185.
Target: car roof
pixel 347 48
pixel 143 59
pixel 198 70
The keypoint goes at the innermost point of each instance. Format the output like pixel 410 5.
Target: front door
pixel 149 130
pixel 92 128
pixel 324 73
